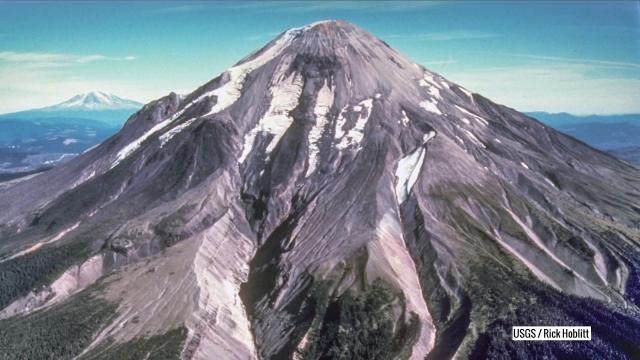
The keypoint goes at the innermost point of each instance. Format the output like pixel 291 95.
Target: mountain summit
pixel 94 100
pixel 324 198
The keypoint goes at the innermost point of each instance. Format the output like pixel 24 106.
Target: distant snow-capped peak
pixel 95 100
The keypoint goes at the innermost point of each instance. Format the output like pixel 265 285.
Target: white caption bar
pixel 551 333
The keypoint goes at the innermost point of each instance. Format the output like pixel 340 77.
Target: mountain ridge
pixel 616 134
pixel 564 118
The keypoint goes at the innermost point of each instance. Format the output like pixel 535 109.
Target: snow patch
pixel 408 169
pixel 524 165
pixel 321 110
pixel 404 119
pixel 284 98
pixel 407 173
pixel 482 121
pixel 467 92
pixel 354 136
pixel 471 136
pixel 84 177
pixel 428 80
pixel 433 91
pixel 431 106
pixel 550 182
pixel 226 95
pixel 91 148
pixel 164 138
pixel 130 148
pixel 428 136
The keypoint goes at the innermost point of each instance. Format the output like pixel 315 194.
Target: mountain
pixel 94 100
pixel 327 198
pixel 630 154
pixel 566 119
pixel 95 105
pixel 618 135
pixel 33 139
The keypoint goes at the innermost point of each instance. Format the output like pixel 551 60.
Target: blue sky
pixel 579 57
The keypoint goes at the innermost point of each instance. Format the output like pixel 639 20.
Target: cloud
pixel 263 36
pixel 567 87
pixel 57 59
pixel 443 36
pixel 438 62
pixel 30 57
pixel 589 62
pixel 92 58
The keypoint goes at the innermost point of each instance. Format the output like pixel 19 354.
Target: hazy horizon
pixel 574 57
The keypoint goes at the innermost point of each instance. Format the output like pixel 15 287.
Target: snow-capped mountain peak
pixel 95 100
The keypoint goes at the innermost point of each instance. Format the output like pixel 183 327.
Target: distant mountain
pixel 96 105
pixel 95 100
pixel 563 119
pixel 47 136
pixel 630 154
pixel 618 135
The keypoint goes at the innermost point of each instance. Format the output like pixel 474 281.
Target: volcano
pixel 324 198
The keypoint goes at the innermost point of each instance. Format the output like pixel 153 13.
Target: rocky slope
pixel 325 198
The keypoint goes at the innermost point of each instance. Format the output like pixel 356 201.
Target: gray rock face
pixel 327 182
